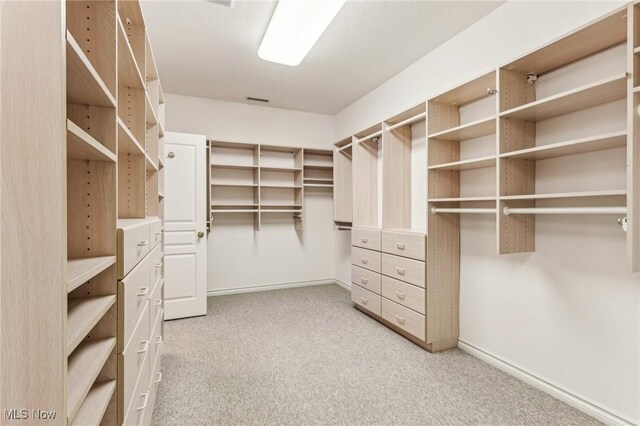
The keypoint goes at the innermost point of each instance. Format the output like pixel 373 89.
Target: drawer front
pixel 403 269
pixel 367 259
pixel 404 244
pixel 133 246
pixel 368 300
pixel 133 293
pixel 366 238
pixel 156 339
pixel 404 318
pixel 140 399
pixel 155 232
pixel 155 264
pixel 134 356
pixel 366 278
pixel 405 294
pixel 155 302
pixel 156 377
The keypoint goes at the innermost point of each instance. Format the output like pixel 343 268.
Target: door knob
pixel 171 155
pixel 200 234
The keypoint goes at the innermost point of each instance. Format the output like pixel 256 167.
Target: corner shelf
pixel 82 146
pixel 95 404
pixel 573 147
pixel 82 270
pixel 83 314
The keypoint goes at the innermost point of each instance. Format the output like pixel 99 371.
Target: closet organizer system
pixel 261 180
pixel 109 299
pixel 486 130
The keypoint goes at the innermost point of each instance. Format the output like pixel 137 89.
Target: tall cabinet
pixel 80 151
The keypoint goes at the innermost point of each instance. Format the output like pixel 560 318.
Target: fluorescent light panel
pixel 296 25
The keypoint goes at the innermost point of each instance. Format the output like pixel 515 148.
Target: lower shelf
pixel 95 404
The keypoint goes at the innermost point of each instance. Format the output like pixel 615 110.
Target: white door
pixel 185 257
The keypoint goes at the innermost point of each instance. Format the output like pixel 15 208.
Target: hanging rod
pixel 411 120
pixel 565 210
pixel 371 136
pixel 342 148
pixel 463 210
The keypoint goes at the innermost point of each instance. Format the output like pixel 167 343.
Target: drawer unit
pixel 404 269
pixel 368 300
pixel 155 231
pixel 155 345
pixel 366 237
pixel 405 294
pixel 131 364
pixel 155 264
pixel 367 259
pixel 155 301
pixel 156 378
pixel 366 278
pixel 404 318
pixel 140 399
pixel 133 244
pixel 404 244
pixel 133 293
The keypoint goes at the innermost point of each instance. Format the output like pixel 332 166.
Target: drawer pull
pixel 400 296
pixel 364 281
pixel 364 300
pixel 146 397
pixel 364 240
pixel 146 347
pixel 158 302
pixel 159 340
pixel 400 246
pixel 159 233
pixel 159 377
pixel 143 291
pixel 400 271
pixel 364 260
pixel 158 265
pixel 143 243
pixel 400 319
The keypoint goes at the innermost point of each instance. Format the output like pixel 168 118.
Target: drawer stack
pixel 140 316
pixel 388 276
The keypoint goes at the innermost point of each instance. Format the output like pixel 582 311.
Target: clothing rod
pixel 565 210
pixel 371 136
pixel 342 148
pixel 464 210
pixel 411 120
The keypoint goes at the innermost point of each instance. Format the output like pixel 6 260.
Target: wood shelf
pixel 234 166
pixel 234 205
pixel 235 185
pixel 82 146
pixel 318 166
pixel 95 404
pixel 79 271
pixel 471 164
pixel 589 95
pixel 472 130
pixel 469 92
pixel 151 166
pixel 461 199
pixel 281 186
pixel 280 211
pixel 129 74
pixel 280 169
pixel 318 185
pixel 573 147
pixel 83 366
pixel 233 211
pixel 84 85
pixel 83 313
pixel 150 114
pixel 127 143
pixel 582 194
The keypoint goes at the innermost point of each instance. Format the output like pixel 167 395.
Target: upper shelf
pixel 467 93
pixel 128 72
pixel 583 97
pixel 580 194
pixel 127 143
pixel 573 147
pixel 472 164
pixel 82 146
pixel 84 85
pixel 472 130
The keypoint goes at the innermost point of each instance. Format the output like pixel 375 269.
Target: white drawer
pixel 133 244
pixel 404 244
pixel 404 318
pixel 156 302
pixel 368 300
pixel 367 259
pixel 132 360
pixel 133 293
pixel 366 278
pixel 155 231
pixel 401 268
pixel 140 399
pixel 155 264
pixel 156 378
pixel 156 338
pixel 405 294
pixel 366 238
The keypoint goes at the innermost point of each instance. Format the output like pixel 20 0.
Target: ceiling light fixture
pixel 295 27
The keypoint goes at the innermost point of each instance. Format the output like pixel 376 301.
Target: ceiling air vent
pixel 249 98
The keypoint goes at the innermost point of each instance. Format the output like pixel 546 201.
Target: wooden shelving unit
pixel 343 183
pixel 367 153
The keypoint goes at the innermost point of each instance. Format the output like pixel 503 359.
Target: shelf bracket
pixel 624 223
pixel 531 78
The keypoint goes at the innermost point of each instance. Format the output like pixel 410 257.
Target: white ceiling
pixel 208 50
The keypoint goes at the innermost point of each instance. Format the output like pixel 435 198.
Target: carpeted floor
pixel 306 356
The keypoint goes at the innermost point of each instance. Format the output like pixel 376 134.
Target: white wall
pixel 569 312
pixel 239 256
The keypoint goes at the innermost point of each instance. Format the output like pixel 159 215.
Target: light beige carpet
pixel 306 356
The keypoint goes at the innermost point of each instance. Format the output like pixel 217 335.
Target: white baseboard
pixel 267 287
pixel 343 285
pixel 575 401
